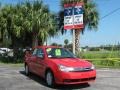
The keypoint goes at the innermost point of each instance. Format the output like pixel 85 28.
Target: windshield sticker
pixel 58 52
pixel 48 49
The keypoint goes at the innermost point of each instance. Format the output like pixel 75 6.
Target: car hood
pixel 72 62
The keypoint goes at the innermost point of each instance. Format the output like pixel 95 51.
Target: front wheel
pixel 50 79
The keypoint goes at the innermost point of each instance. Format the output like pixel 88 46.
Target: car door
pixel 40 66
pixel 33 61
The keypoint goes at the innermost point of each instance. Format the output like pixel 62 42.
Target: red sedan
pixel 59 66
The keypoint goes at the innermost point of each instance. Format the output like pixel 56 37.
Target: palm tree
pixel 24 20
pixel 33 18
pixel 39 21
pixel 91 18
pixel 5 23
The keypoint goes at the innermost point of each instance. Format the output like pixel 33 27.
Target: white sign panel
pixel 78 19
pixel 68 20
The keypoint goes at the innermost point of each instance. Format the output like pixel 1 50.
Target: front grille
pixel 79 80
pixel 82 69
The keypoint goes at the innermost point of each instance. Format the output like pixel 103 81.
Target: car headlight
pixel 92 67
pixel 65 68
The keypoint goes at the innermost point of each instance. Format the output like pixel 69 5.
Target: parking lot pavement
pixel 12 78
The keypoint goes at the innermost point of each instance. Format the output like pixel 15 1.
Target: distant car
pixel 6 52
pixel 2 52
pixel 5 49
pixel 59 66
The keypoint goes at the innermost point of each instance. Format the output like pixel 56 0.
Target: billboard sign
pixel 78 17
pixel 73 16
pixel 68 18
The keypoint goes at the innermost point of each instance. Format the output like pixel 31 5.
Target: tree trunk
pixel 15 47
pixel 35 40
pixel 40 42
pixel 77 41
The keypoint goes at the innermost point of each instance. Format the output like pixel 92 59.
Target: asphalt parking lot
pixel 12 78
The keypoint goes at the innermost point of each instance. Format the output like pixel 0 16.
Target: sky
pixel 108 29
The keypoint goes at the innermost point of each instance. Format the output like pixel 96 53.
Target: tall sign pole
pixel 73 18
pixel 73 37
pixel 73 41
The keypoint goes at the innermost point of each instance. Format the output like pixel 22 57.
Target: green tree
pixel 91 18
pixel 54 44
pixel 26 24
pixel 40 21
pixel 66 41
pixel 27 19
pixel 5 23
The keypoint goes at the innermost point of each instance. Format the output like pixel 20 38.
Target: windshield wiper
pixel 68 57
pixel 61 57
pixel 56 57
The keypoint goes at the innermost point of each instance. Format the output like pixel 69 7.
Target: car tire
pixel 50 79
pixel 27 72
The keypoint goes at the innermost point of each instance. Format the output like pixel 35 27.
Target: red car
pixel 59 66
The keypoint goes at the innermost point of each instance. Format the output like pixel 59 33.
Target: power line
pixel 110 13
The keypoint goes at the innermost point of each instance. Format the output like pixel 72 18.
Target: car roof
pixel 47 47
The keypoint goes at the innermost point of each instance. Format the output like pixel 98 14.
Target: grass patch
pixel 105 59
pixel 111 63
pixel 111 67
pixel 99 54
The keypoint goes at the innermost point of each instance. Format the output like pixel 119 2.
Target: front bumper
pixel 75 77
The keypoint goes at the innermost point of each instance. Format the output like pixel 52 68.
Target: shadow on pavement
pixel 72 87
pixel 58 87
pixel 35 78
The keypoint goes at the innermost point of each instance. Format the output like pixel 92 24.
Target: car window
pixel 40 53
pixel 59 53
pixel 34 52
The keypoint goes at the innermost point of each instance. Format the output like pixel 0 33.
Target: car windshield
pixel 59 53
